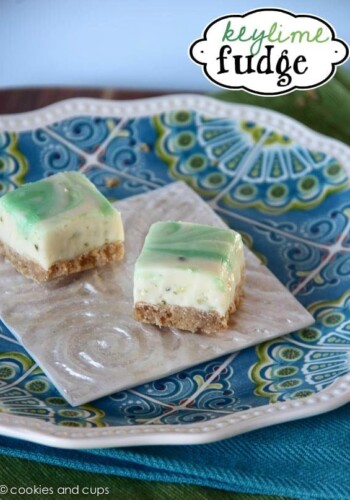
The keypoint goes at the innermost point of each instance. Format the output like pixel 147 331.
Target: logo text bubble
pixel 269 51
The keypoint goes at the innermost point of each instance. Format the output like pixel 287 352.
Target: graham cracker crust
pixel 110 252
pixel 187 318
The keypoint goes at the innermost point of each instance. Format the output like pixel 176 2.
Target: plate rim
pixel 334 396
pixel 130 108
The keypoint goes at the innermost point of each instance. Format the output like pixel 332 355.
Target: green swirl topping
pixel 51 198
pixel 187 243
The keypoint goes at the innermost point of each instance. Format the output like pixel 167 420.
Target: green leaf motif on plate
pixel 13 163
pixel 309 360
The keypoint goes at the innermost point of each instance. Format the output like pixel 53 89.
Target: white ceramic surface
pixel 80 329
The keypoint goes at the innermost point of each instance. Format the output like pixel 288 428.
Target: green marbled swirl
pixel 186 244
pixel 49 198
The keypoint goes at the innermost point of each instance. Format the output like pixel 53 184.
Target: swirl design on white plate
pixel 80 329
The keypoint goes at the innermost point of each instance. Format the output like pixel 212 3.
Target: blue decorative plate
pixel 284 187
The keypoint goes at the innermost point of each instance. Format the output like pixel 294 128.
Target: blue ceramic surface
pixel 292 205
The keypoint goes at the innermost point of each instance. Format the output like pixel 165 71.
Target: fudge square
pixel 189 276
pixel 59 226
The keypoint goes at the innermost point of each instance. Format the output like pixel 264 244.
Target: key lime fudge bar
pixel 59 226
pixel 189 276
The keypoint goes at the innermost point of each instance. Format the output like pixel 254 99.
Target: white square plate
pixel 80 329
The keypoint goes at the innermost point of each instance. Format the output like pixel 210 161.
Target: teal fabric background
pixel 306 459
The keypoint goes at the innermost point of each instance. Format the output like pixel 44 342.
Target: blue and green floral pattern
pixel 290 202
pixel 13 163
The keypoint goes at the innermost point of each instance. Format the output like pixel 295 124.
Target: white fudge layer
pixel 189 265
pixel 58 219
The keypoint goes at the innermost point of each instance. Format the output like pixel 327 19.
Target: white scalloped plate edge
pixel 31 429
pixel 334 396
pixel 154 105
